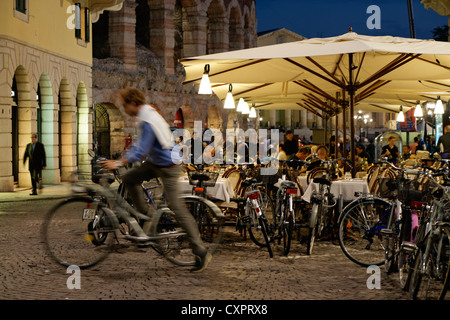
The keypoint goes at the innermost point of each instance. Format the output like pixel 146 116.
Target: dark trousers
pixel 169 176
pixel 36 176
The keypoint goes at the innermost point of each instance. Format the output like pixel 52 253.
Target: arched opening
pixel 23 121
pixel 15 131
pixel 214 118
pixel 216 40
pixel 236 33
pixel 178 31
pixel 100 36
pixel 178 122
pixel 142 23
pixel 102 136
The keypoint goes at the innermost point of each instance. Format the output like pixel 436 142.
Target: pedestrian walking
pixel 35 153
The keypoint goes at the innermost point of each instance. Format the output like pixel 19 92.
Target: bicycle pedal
pixel 387 232
pixel 409 247
pixel 246 219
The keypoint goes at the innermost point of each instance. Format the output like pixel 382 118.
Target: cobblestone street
pixel 239 271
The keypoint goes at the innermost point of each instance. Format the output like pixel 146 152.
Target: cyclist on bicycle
pixel 154 145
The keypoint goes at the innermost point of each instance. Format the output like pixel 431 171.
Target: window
pixel 21 6
pixel 21 9
pixel 82 22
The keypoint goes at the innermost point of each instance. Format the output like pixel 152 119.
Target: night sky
pixel 328 18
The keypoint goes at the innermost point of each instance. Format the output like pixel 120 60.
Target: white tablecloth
pixel 346 188
pixel 302 181
pixel 223 190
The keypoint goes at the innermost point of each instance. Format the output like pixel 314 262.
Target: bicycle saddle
pixel 248 182
pixel 199 176
pixel 288 185
pixel 322 181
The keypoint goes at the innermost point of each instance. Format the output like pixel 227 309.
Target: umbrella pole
pixel 351 91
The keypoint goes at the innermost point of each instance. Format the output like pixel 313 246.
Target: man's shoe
pixel 201 262
pixel 33 193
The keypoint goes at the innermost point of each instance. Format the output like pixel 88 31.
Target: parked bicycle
pixel 284 219
pixel 322 202
pixel 259 212
pixel 430 275
pixel 84 229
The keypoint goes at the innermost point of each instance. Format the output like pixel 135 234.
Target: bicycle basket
pixel 388 187
pixel 408 191
pixel 207 178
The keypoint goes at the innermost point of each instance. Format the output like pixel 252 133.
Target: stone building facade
pixel 46 85
pixel 140 46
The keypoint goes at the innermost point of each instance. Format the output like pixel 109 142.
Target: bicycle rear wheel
pixel 268 215
pixel 209 220
pixel 286 229
pixel 428 282
pixel 359 230
pixel 316 215
pixel 77 232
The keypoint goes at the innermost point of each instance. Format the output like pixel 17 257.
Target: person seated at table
pixel 406 153
pixel 361 153
pixel 282 152
pixel 322 154
pixel 301 155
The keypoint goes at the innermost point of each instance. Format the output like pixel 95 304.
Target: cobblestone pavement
pixel 239 271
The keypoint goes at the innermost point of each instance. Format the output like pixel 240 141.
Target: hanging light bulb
pixel 205 85
pixel 401 116
pixel 241 105
pixel 252 112
pixel 229 102
pixel 246 108
pixel 439 108
pixel 418 112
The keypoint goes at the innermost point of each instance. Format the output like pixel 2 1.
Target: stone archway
pixel 214 118
pixel 24 124
pixel 109 126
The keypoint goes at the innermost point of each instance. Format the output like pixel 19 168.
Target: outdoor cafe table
pixel 346 188
pixel 222 190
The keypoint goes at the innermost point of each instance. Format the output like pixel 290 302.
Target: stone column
pixel 303 119
pixel 122 34
pixel 218 35
pixel 162 32
pixel 194 32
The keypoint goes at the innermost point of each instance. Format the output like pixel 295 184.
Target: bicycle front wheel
pixel 359 230
pixel 77 232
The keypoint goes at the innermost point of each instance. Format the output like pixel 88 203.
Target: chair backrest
pixel 235 178
pixel 314 173
pixel 372 179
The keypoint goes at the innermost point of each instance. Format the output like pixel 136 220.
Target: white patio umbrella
pixel 360 67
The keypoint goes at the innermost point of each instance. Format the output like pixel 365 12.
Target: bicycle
pixel 322 201
pixel 430 275
pixel 284 219
pixel 369 227
pixel 84 229
pixel 259 211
